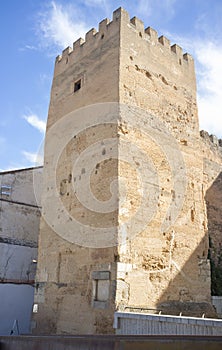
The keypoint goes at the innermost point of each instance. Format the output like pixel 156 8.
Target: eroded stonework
pixel 124 221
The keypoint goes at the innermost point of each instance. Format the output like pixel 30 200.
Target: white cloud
pixel 17 166
pixel 29 159
pixel 101 7
pixel 34 158
pixel 94 2
pixel 29 47
pixel 60 25
pixel 163 9
pixel 36 122
pixel 12 167
pixel 209 58
pixel 144 7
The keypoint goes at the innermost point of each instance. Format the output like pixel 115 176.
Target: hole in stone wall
pixel 77 85
pixel 192 214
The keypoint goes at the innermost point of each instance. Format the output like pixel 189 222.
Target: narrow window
pixel 77 85
pixel 6 190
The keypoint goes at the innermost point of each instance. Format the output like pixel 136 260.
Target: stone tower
pixel 123 212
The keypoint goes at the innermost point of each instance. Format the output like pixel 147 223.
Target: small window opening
pixel 77 85
pixel 6 190
pixel 96 290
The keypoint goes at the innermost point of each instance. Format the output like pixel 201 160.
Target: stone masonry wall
pixel 212 151
pixel 124 222
pixel 76 285
pixel 165 268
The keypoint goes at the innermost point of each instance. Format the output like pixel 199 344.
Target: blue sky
pixel 34 32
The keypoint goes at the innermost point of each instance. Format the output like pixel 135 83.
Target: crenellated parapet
pixel 211 140
pixel 92 37
pixel 107 29
pixel 151 35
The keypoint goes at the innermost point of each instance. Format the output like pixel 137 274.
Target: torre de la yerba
pixel 131 201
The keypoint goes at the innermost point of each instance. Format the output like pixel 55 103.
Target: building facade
pixel 19 228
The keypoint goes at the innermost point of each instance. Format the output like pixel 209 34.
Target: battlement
pixel 212 140
pixel 108 28
pixel 105 28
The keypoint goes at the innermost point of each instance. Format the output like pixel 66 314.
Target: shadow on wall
pixel 176 297
pixel 185 293
pixel 214 215
pixel 16 305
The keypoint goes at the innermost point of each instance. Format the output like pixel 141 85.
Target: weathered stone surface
pixel 147 226
pixel 212 152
